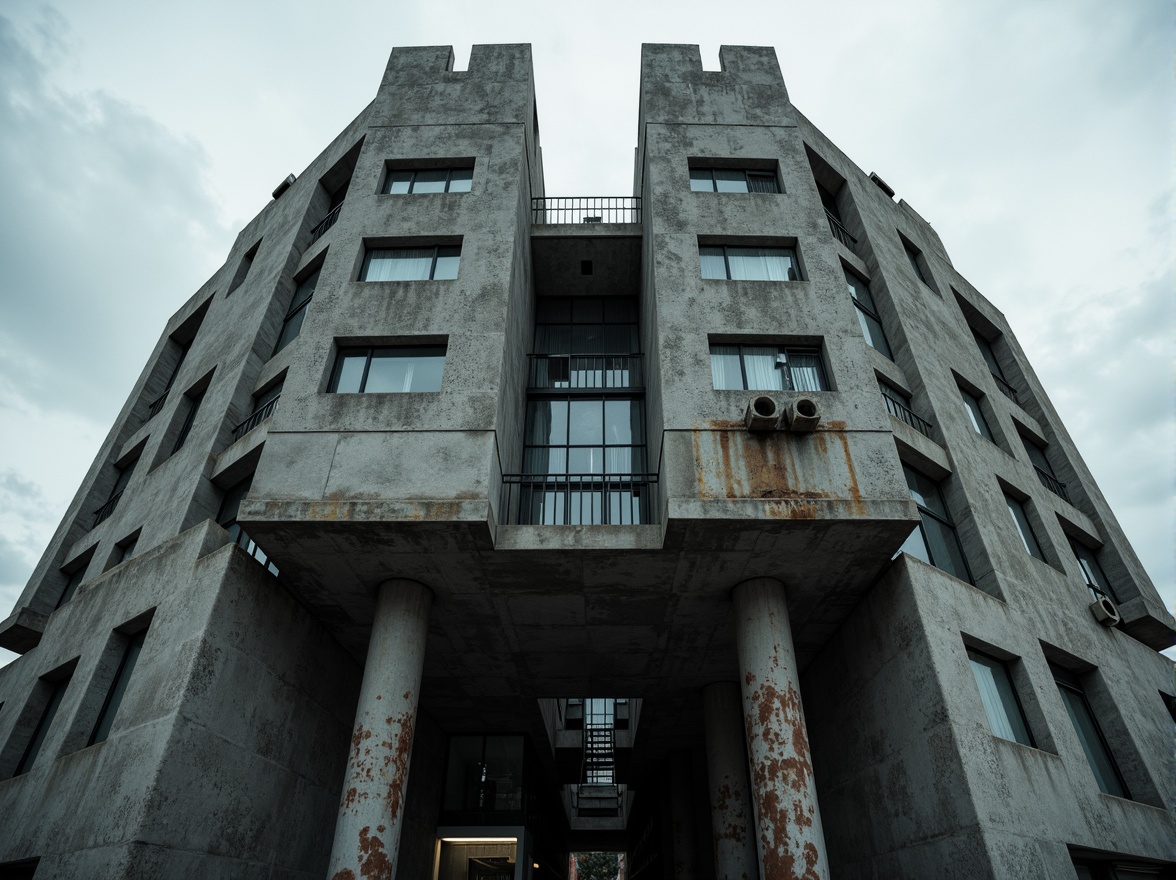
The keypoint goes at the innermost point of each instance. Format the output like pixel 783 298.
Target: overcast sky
pixel 138 137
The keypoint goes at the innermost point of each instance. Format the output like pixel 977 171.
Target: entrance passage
pixel 597 866
pixel 477 859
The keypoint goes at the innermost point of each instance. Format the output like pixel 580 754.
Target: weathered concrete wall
pixel 227 748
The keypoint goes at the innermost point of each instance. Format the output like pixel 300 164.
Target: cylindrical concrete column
pixel 682 815
pixel 788 823
pixel 726 769
pixel 371 812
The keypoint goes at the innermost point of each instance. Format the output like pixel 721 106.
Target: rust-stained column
pixel 791 843
pixel 726 770
pixel 682 814
pixel 371 812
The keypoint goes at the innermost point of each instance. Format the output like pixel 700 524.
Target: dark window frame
pixel 36 742
pixel 189 420
pixel 354 351
pixel 1004 667
pixel 782 351
pixel 1024 527
pixel 707 173
pixel 867 312
pixel 787 250
pixel 117 690
pixel 389 175
pixel 297 310
pixel 943 520
pixel 1070 682
pixel 436 249
pixel 1091 574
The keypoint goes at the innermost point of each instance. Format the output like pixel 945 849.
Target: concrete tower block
pixel 499 62
pixel 418 64
pixel 751 64
pixel 670 62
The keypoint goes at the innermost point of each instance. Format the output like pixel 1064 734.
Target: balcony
pixel 840 232
pixel 258 416
pixel 1052 483
pixel 104 512
pixel 584 371
pixel 899 411
pixel 586 209
pixel 326 223
pixel 1006 389
pixel 578 499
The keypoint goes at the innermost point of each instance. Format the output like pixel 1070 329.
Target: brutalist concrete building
pixel 453 528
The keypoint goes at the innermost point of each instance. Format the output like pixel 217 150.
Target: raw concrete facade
pixel 681 628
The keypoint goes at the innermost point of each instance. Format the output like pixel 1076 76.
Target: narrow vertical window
pixel 1005 717
pixel 118 688
pixel 934 540
pixel 976 415
pixel 913 258
pixel 296 314
pixel 1096 579
pixel 1094 746
pixel 42 729
pixel 867 313
pixel 189 418
pixel 74 581
pixel 1021 521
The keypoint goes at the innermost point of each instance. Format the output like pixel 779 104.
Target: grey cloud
pixel 101 236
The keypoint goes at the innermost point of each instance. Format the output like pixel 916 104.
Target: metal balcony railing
pixel 586 209
pixel 255 418
pixel 1052 483
pixel 157 404
pixel 899 411
pixel 559 371
pixel 1008 390
pixel 578 499
pixel 106 509
pixel 840 232
pixel 326 223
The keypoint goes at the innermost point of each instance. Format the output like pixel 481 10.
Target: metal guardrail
pixel 326 223
pixel 899 411
pixel 586 209
pixel 578 499
pixel 106 509
pixel 255 418
pixel 1008 390
pixel 840 232
pixel 1052 483
pixel 585 371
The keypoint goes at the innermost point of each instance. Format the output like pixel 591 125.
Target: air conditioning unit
pixel 1104 611
pixel 803 414
pixel 761 414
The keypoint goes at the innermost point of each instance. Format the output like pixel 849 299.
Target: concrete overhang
pixel 586 259
pixel 22 630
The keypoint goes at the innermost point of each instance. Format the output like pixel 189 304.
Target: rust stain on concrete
pixel 374 863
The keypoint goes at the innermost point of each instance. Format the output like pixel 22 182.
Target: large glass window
pixel 118 688
pixel 1001 705
pixel 292 325
pixel 1096 579
pixel 429 180
pixel 767 368
pixel 867 314
pixel 1021 521
pixel 1094 746
pixel 388 370
pixel 585 436
pixel 226 518
pixel 411 264
pixel 733 180
pixel 976 414
pixel 749 263
pixel 934 540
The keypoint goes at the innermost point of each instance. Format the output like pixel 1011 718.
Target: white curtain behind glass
pixel 759 361
pixel 399 264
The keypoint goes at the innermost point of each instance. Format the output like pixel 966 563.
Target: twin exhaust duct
pixel 762 414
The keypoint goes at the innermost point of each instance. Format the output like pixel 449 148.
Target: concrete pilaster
pixel 682 815
pixel 367 831
pixel 788 823
pixel 730 798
